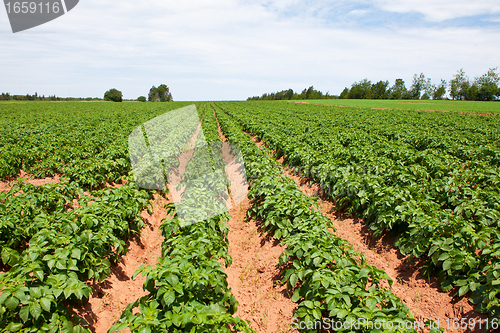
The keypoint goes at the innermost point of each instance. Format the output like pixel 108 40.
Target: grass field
pixel 445 105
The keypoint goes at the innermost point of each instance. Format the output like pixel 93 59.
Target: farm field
pixel 423 185
pixel 435 105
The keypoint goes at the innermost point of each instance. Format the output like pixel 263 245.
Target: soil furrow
pixel 421 294
pixel 111 297
pixel 253 276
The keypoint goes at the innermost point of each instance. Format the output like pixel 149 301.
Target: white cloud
pixel 230 49
pixel 440 10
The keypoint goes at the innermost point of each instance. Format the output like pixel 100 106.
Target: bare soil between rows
pixel 421 294
pixel 112 296
pixel 253 277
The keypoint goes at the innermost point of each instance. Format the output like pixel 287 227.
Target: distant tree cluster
pixel 36 97
pixel 160 94
pixel 309 93
pixel 113 95
pixel 483 88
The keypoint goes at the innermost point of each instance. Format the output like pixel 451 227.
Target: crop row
pixel 188 290
pixel 432 179
pixel 329 279
pixel 54 241
pixel 84 142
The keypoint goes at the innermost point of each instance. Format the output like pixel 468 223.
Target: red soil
pixel 421 294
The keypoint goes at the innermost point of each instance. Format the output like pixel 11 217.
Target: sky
pixel 233 49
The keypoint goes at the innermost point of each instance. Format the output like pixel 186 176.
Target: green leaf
pixel 432 250
pixel 12 303
pixel 463 290
pixel 342 313
pixel 293 280
pixel 277 234
pixel 172 279
pixel 39 274
pixel 118 327
pixel 4 296
pixel 14 327
pixel 296 296
pixel 35 310
pixel 364 272
pixel 317 313
pixel 169 297
pixel 76 253
pixel 24 313
pixel 309 304
pixel 443 256
pixel 447 265
pixel 45 302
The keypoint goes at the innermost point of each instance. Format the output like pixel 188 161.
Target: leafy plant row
pixel 54 242
pixel 432 179
pixel 84 142
pixel 188 290
pixel 329 279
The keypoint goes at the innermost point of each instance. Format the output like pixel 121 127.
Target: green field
pixel 429 178
pixel 444 105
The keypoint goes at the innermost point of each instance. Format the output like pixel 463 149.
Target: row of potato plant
pixel 85 142
pixel 329 279
pixel 431 179
pixel 51 248
pixel 54 243
pixel 188 290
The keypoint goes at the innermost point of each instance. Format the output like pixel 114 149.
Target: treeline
pixel 309 93
pixel 159 94
pixel 482 88
pixel 36 97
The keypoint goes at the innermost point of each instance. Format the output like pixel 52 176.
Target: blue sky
pixel 232 49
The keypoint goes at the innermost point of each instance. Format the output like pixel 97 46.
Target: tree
pixel 113 95
pixel 486 86
pixel 398 90
pixel 160 94
pixel 459 85
pixel 141 99
pixel 379 90
pixel 440 90
pixel 361 90
pixel 418 86
pixel 344 94
pixel 289 94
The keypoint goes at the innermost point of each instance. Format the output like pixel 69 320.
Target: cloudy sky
pixel 232 49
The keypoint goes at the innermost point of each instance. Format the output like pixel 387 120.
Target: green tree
pixel 141 99
pixel 459 85
pixel 160 94
pixel 440 90
pixel 398 90
pixel 344 94
pixel 418 86
pixel 486 86
pixel 379 90
pixel 361 90
pixel 113 95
